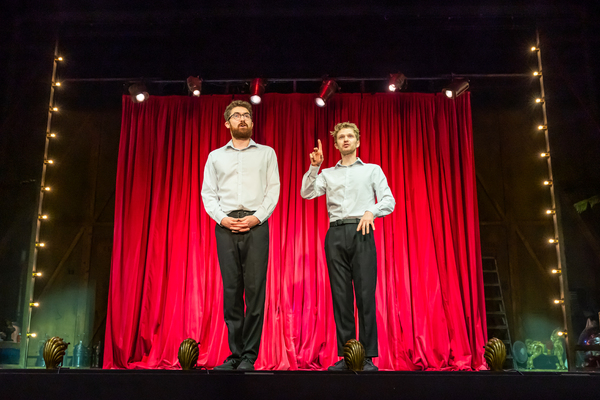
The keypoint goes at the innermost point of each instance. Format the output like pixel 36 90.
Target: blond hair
pixel 344 125
pixel 237 103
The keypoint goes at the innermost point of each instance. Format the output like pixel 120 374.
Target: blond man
pixel 351 187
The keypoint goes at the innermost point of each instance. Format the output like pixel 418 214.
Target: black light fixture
pixel 138 92
pixel 328 89
pixel 257 89
pixel 194 84
pixel 457 87
pixel 397 82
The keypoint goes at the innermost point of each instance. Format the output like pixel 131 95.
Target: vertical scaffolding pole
pixel 556 218
pixel 35 244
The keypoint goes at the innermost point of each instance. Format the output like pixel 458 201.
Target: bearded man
pixel 240 192
pixel 351 187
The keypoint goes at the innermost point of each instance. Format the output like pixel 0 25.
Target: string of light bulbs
pixel 40 217
pixel 549 182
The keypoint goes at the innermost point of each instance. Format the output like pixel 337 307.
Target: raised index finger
pixel 320 147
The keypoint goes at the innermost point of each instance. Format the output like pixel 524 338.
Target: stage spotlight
pixel 553 241
pixel 544 155
pixel 257 89
pixel 533 48
pixel 43 216
pixel 562 333
pixel 548 183
pixel 138 92
pixel 537 73
pixel 397 82
pixel 37 274
pixel 36 304
pixel 556 271
pixel 194 85
pixel 328 89
pixel 550 212
pixel 31 334
pixel 457 87
pixel 542 127
pixel 539 100
pixel 561 301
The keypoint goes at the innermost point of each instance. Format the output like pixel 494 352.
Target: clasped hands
pixel 240 225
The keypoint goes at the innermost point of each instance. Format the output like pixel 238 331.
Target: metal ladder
pixel 497 322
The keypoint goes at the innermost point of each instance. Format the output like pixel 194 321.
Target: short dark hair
pixel 237 103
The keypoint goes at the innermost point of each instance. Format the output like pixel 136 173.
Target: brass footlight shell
pixel 54 351
pixel 354 355
pixel 495 354
pixel 188 354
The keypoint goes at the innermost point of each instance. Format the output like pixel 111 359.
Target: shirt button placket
pixel 239 177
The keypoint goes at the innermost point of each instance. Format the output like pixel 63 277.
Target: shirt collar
pixel 230 145
pixel 358 160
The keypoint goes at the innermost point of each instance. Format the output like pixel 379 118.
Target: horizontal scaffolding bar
pixel 291 80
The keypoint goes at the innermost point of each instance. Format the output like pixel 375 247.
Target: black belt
pixel 240 213
pixel 344 222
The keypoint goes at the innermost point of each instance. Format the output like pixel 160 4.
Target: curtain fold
pixel 165 278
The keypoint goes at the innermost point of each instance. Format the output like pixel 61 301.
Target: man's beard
pixel 241 134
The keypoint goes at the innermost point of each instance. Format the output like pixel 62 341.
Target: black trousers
pixel 352 257
pixel 243 258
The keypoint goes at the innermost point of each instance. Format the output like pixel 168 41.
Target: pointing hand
pixel 316 157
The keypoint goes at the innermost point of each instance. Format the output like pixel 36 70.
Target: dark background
pixel 279 39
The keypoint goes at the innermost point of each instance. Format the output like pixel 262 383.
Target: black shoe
pixel 229 365
pixel 246 365
pixel 339 366
pixel 368 365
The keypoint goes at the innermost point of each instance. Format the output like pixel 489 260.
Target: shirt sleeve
pixel 313 183
pixel 209 192
pixel 385 200
pixel 272 190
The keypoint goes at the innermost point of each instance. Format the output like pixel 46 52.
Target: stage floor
pixel 200 384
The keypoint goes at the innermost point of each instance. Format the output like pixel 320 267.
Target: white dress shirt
pixel 241 179
pixel 351 190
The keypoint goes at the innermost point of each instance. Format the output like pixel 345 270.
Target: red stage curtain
pixel 165 281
